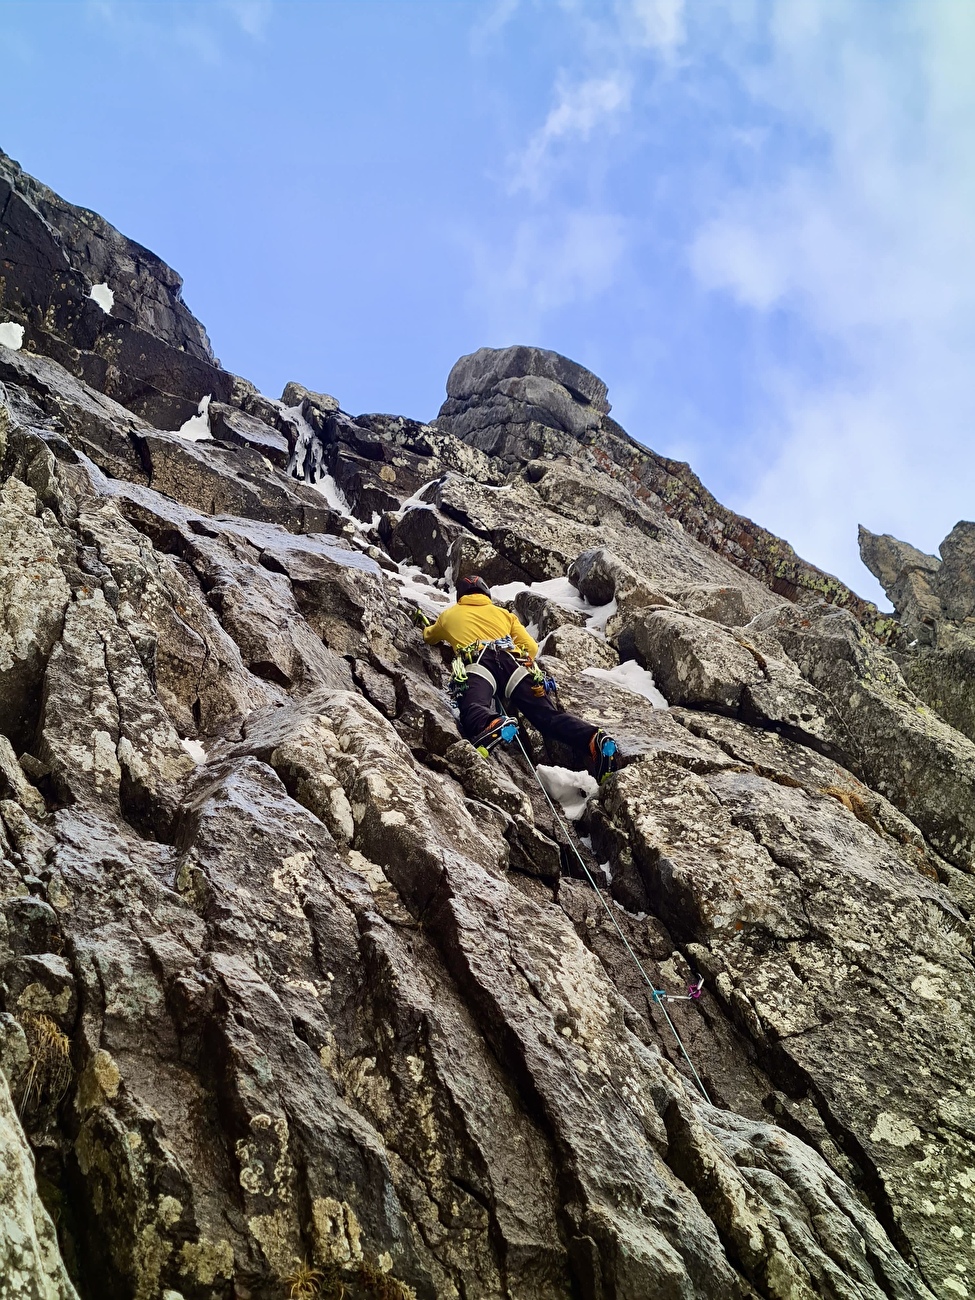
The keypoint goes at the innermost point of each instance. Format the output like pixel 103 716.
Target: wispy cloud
pixel 198 31
pixel 561 251
pixel 252 16
pixel 549 263
pixel 489 24
pixel 654 24
pixel 580 109
pixel 616 45
pixel 868 241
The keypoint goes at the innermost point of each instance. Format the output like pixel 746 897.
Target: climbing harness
pixel 467 663
pixel 659 996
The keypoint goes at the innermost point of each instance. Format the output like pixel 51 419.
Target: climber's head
pixel 472 584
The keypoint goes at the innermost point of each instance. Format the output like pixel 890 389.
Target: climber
pixel 495 663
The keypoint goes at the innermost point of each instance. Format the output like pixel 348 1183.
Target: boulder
pixel 727 605
pixel 603 578
pixel 955 583
pixel 228 424
pixel 579 649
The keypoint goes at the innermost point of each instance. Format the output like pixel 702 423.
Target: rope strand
pixel 655 993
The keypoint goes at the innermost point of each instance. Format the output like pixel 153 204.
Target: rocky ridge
pixel 300 996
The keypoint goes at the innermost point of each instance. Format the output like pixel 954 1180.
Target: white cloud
pixel 252 16
pixel 550 262
pixel 199 30
pixel 616 46
pixel 868 240
pixel 655 24
pixel 581 108
pixel 489 25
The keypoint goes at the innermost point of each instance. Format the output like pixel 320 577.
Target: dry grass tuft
pixel 852 802
pixel 49 1072
pixel 305 1282
pixel 335 1283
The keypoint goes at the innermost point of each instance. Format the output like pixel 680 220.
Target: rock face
pixel 935 602
pixel 302 997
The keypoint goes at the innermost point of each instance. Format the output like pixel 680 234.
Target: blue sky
pixel 752 218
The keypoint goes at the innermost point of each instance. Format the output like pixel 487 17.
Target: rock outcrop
pixel 934 599
pixel 302 997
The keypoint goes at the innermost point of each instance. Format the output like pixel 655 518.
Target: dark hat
pixel 469 585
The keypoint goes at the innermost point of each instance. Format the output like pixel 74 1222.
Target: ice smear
pixel 12 335
pixel 197 427
pixel 572 790
pixel 306 459
pixel 195 750
pixel 562 592
pixel 307 465
pixel 104 296
pixel 629 676
pixel 607 874
pixel 335 498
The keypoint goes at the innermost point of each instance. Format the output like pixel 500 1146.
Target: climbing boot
pixel 603 755
pixel 502 731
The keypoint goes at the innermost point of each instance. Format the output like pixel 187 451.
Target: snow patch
pixel 600 616
pixel 197 427
pixel 416 501
pixel 104 296
pixel 195 750
pixel 418 587
pixel 11 335
pixel 572 790
pixel 629 676
pixel 562 593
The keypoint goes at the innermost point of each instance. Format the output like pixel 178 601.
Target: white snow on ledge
pixel 572 790
pixel 197 427
pixel 11 335
pixel 629 676
pixel 195 750
pixel 562 592
pixel 104 296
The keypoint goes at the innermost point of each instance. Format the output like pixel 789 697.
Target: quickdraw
pixel 693 993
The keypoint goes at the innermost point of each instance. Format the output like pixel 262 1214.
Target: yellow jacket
pixel 477 618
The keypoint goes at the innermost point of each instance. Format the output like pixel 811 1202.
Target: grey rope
pixel 655 993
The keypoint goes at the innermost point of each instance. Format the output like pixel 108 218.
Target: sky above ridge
pixel 751 218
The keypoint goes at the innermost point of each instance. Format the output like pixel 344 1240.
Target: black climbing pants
pixel 478 708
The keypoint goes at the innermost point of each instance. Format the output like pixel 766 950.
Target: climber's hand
pixel 420 619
